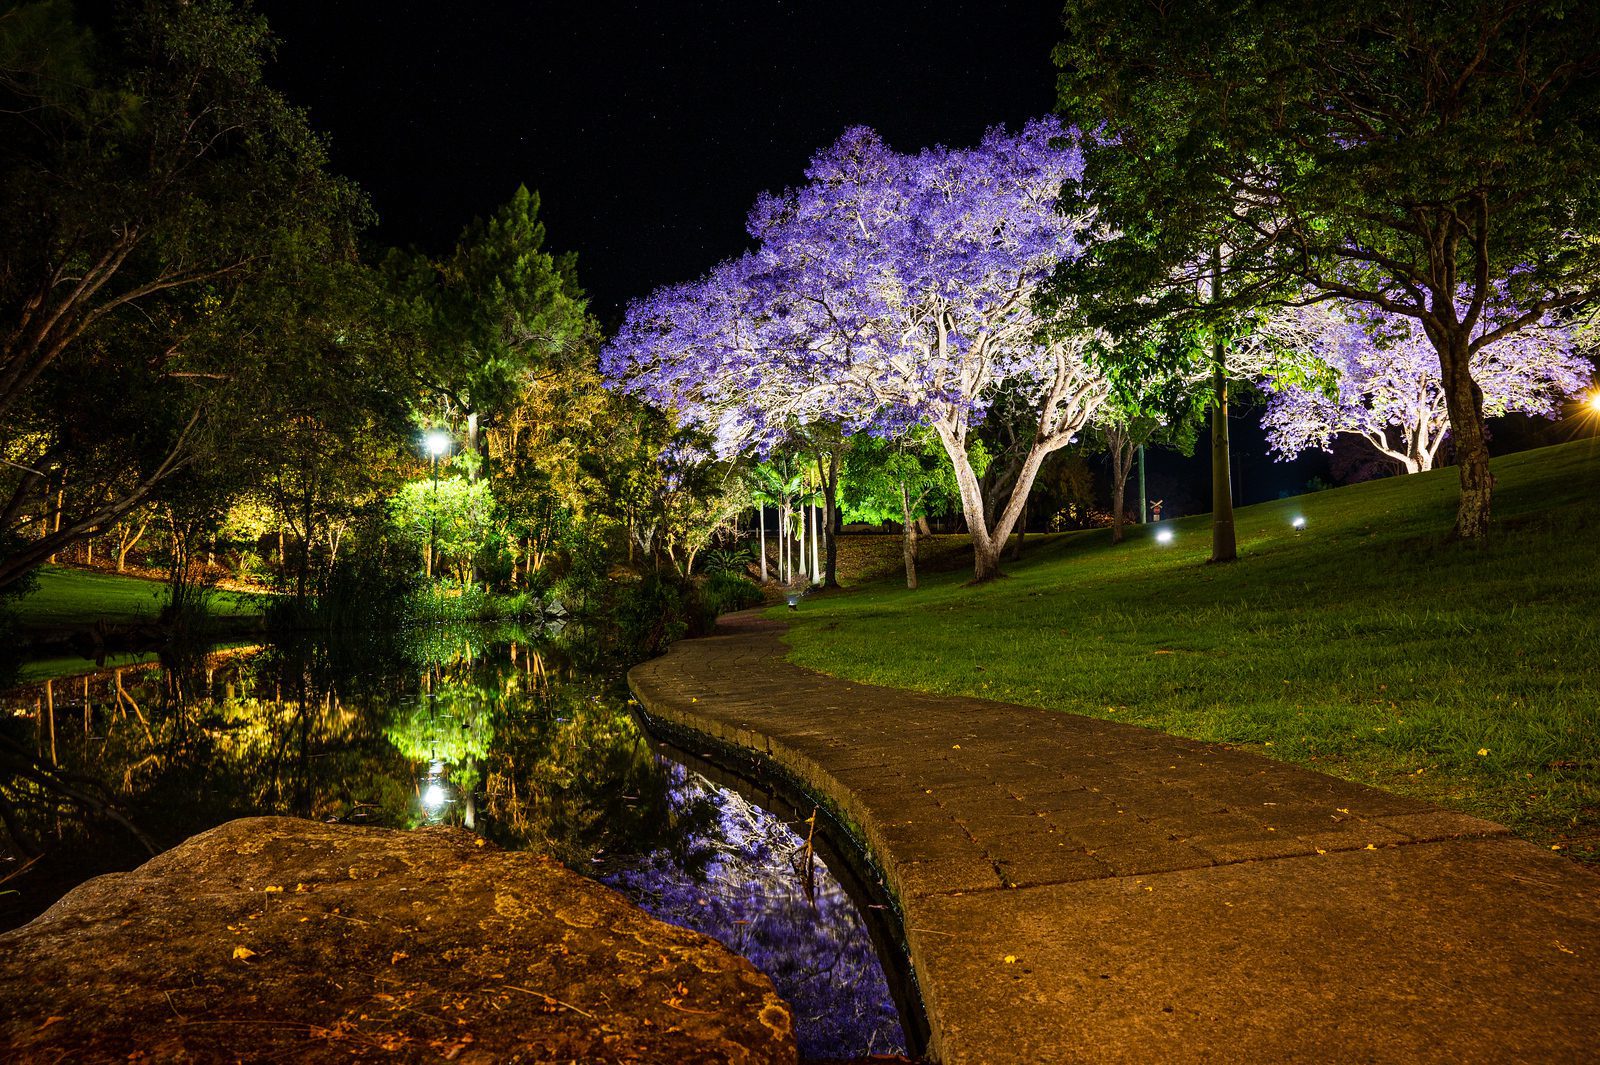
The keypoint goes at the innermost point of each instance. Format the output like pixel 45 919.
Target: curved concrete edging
pixel 1075 889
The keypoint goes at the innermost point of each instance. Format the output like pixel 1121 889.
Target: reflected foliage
pixel 522 737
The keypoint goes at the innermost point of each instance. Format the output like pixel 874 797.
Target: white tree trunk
pixel 762 510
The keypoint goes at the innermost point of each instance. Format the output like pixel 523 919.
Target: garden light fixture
pixel 1163 536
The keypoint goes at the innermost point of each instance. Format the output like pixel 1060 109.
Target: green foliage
pixel 154 195
pixel 722 593
pixel 728 561
pixel 876 470
pixel 454 514
pixel 655 612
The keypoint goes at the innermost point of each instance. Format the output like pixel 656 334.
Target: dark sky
pixel 648 128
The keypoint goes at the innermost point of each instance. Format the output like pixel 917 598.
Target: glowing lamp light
pixel 433 798
pixel 1163 536
pixel 1594 401
pixel 1299 523
pixel 438 443
pixel 794 602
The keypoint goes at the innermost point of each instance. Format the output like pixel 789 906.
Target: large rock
pixel 278 939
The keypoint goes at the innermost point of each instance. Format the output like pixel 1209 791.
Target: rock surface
pixel 286 940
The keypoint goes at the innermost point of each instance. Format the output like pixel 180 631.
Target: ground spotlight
pixel 1298 523
pixel 1163 536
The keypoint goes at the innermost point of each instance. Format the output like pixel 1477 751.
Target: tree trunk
pixel 1121 465
pixel 830 522
pixel 1464 403
pixel 1224 546
pixel 803 520
pixel 1144 508
pixel 908 539
pixel 763 524
pixel 783 541
pixel 987 543
pixel 816 537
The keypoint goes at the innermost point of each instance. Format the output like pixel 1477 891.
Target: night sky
pixel 649 128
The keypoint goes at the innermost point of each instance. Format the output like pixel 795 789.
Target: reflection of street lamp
pixel 438 443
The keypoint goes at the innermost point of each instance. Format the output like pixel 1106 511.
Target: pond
pixel 527 739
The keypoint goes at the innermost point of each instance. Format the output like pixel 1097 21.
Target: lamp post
pixel 438 443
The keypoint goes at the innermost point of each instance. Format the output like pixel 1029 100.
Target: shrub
pixel 728 561
pixel 724 592
pixel 653 613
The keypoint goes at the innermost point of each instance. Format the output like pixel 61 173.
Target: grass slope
pixel 70 598
pixel 1367 646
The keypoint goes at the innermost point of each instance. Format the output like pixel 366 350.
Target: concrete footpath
pixel 1079 890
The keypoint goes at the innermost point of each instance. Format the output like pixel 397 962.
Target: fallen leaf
pixel 955 746
pixel 1482 751
pixel 272 889
pixel 397 957
pixel 241 953
pixel 1010 958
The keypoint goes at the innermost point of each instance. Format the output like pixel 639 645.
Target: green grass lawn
pixel 67 598
pixel 1368 645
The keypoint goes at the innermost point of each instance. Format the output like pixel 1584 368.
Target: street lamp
pixel 437 442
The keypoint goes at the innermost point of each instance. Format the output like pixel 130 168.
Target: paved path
pixel 1079 890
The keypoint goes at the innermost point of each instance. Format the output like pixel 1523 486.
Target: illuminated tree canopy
pixel 892 290
pixel 1389 390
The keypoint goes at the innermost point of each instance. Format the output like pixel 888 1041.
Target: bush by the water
pixel 654 613
pixel 664 607
pixel 725 592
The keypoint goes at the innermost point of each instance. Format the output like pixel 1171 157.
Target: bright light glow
pixel 433 798
pixel 438 443
pixel 1298 522
pixel 1163 536
pixel 1594 402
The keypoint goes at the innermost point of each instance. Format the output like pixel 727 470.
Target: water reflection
pixel 522 739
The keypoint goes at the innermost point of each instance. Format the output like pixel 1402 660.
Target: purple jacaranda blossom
pixel 1386 385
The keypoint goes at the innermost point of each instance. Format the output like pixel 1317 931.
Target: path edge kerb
pixel 650 683
pixel 849 809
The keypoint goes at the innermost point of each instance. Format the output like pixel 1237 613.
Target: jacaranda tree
pixel 890 291
pixel 1389 389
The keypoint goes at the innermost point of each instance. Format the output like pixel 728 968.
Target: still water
pixel 525 738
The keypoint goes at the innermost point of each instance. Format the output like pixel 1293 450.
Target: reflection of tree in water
pixel 748 888
pixel 530 751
